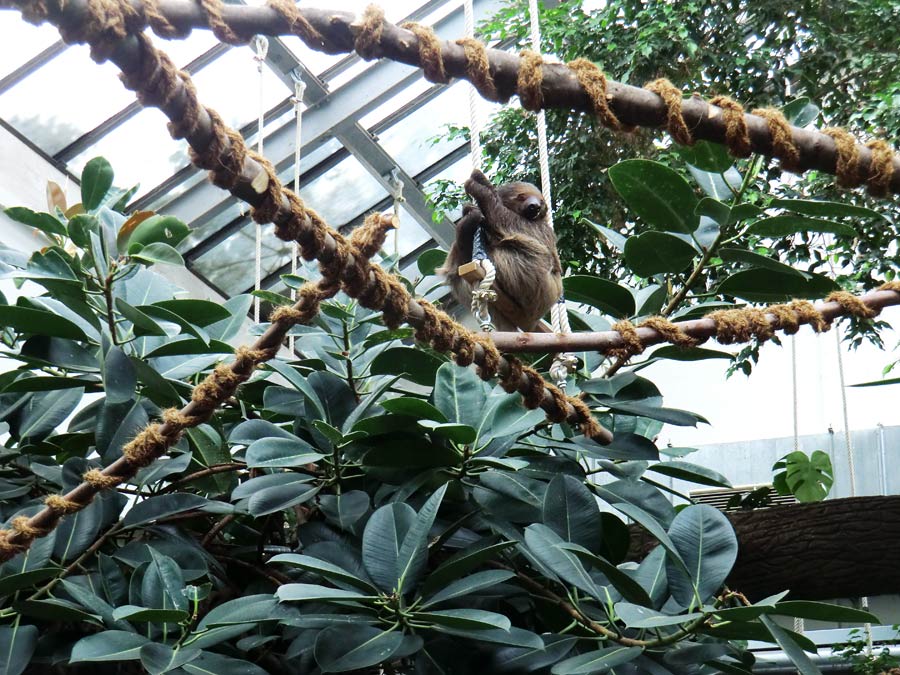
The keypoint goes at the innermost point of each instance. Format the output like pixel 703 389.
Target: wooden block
pixel 471 272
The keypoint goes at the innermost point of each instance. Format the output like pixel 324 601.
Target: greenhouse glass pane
pixel 230 266
pixel 182 52
pixel 66 98
pixel 21 41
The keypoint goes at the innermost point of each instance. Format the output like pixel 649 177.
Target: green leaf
pixel 460 395
pixel 96 180
pixel 315 592
pixel 26 384
pixel 142 324
pixel 598 661
pixel 823 611
pixel 615 239
pixel 824 209
pixel 9 583
pixel 809 479
pixel 414 407
pixel 280 497
pixel 657 253
pixel 531 659
pixel 196 312
pixel 384 535
pixel 149 614
pixel 250 609
pixel 110 645
pixel 45 411
pixel 636 616
pixel 39 322
pixel 693 473
pixel 783 226
pixel 324 569
pixel 462 434
pixel 342 648
pixel 659 195
pixel 463 562
pixel 607 296
pixel 465 619
pixel 797 656
pixel 762 285
pixel 209 663
pixel 17 644
pixel 281 452
pixel 755 260
pixel 878 383
pixel 161 506
pixel 707 156
pixel 650 524
pixel 470 584
pixel 413 554
pixel 800 112
pixel 156 229
pixel 42 221
pixel 675 353
pixel 415 365
pixel 158 659
pixel 571 511
pixel 707 544
pixel 430 260
pixel 629 588
pixel 346 508
pixel 681 418
pixel 547 547
pixel 119 376
pixel 160 253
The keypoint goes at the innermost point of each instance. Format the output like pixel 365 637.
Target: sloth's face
pixel 524 199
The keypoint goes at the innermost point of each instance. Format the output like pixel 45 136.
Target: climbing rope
pixel 260 49
pixel 397 195
pixel 297 101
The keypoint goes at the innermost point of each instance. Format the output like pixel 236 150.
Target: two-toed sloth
pixel 519 241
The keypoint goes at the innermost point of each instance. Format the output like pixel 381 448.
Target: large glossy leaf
pixel 470 584
pixel 163 583
pixel 783 226
pixel 798 657
pixel 605 295
pixel 531 659
pixel 45 411
pixel 323 568
pixel 708 156
pixel 96 180
pixel 571 511
pixel 342 648
pixel 413 554
pixel 197 312
pixel 110 645
pixel 430 260
pixel 598 661
pixel 384 535
pixel 119 376
pixel 42 221
pixel 415 365
pixel 628 587
pixel 653 252
pixel 315 592
pixel 170 504
pixel 636 616
pixel 460 394
pixel 659 195
pixel 762 285
pixel 281 497
pixel 17 644
pixel 823 209
pixel 281 452
pixel 756 260
pixel 36 321
pixel 346 508
pixel 693 473
pixel 159 253
pixel 209 663
pixel 822 611
pixel 158 659
pixel 650 524
pixel 156 229
pixel 465 619
pixel 463 562
pixel 250 609
pixel 547 546
pixel 706 542
pixel 681 418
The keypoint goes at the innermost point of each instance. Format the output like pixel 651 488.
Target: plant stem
pixel 350 381
pixel 93 548
pixel 202 473
pixel 110 312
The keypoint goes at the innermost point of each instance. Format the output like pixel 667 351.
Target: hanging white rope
pixel 848 440
pixel 260 48
pixel 397 194
pixel 795 394
pixel 563 364
pixel 474 98
pixel 297 100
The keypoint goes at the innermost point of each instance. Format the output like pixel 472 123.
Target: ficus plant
pixel 364 504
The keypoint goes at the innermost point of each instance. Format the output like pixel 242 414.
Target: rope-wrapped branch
pixel 496 74
pixel 726 326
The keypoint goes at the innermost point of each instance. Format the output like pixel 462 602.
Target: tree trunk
pixel 841 548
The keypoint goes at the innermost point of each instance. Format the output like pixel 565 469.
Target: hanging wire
pixel 848 440
pixel 260 48
pixel 397 194
pixel 297 100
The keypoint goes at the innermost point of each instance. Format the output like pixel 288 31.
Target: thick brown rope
pixel 847 168
pixel 737 136
pixel 429 52
pixel 478 68
pixel 531 76
pixel 593 81
pixel 783 146
pixel 671 96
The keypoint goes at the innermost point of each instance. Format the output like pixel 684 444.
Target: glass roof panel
pixel 230 86
pixel 64 99
pixel 230 265
pixel 410 234
pixel 409 140
pixel 21 41
pixel 182 52
pixel 343 192
pixel 140 151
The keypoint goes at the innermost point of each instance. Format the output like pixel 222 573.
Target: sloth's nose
pixel 532 208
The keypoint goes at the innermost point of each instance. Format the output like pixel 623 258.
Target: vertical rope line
pixel 261 46
pixel 474 98
pixel 299 90
pixel 543 154
pixel 795 393
pixel 848 440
